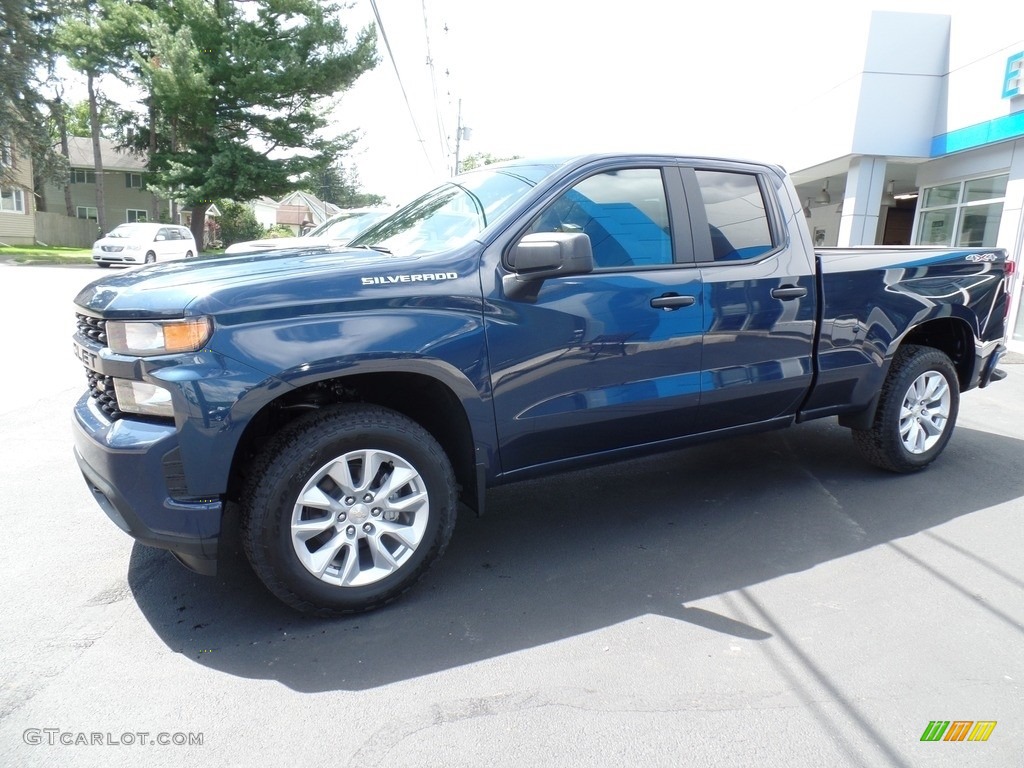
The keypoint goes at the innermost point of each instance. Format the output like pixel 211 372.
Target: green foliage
pixel 25 55
pixel 77 117
pixel 340 185
pixel 243 90
pixel 480 159
pixel 237 223
pixel 279 230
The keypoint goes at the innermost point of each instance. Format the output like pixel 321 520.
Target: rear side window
pixel 624 213
pixel 736 213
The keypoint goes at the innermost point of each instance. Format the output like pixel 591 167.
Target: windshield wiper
pixel 379 248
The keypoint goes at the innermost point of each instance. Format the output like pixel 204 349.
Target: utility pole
pixel 461 132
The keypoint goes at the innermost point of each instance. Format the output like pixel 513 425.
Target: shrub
pixel 238 223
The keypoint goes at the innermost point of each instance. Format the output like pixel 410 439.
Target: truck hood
pixel 280 243
pixel 213 284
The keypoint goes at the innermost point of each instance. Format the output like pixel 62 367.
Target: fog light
pixel 143 398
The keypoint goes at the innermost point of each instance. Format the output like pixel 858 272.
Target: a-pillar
pixel 862 201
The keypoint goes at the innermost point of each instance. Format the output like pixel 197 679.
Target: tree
pixel 340 186
pixel 26 53
pixel 97 37
pixel 242 89
pixel 480 159
pixel 79 122
pixel 237 223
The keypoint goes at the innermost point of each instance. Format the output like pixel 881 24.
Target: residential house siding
pixel 119 197
pixel 17 206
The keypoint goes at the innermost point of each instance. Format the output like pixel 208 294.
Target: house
pixel 17 209
pixel 265 211
pixel 126 198
pixel 297 208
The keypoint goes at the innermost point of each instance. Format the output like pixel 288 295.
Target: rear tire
pixel 916 412
pixel 348 508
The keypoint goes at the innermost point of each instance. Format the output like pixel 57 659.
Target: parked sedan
pixel 340 229
pixel 144 243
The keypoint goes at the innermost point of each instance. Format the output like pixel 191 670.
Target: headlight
pixel 133 247
pixel 158 337
pixel 142 397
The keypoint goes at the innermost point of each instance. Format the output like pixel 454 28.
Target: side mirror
pixel 160 237
pixel 541 255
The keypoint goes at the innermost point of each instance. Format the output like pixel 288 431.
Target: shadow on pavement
pixel 578 552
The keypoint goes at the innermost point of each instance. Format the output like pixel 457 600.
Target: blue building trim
pixel 1000 129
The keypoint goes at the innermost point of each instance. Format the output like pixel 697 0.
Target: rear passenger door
pixel 610 359
pixel 758 297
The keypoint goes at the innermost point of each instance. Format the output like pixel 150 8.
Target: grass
pixel 35 254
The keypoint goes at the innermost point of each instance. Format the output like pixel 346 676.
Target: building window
pixel 12 200
pixel 133 180
pixel 82 176
pixel 6 154
pixel 134 215
pixel 963 213
pixel 88 212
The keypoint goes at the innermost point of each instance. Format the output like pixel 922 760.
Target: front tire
pixel 349 507
pixel 916 412
pixel 150 257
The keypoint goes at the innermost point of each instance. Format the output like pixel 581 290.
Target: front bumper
pixel 125 465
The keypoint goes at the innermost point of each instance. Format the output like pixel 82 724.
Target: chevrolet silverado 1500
pixel 517 320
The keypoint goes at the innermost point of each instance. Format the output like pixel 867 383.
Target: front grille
pixel 94 328
pixel 102 390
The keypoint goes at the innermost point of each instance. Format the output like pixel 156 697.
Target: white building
pixel 924 145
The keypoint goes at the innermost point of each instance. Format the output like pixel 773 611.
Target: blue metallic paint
pixel 588 369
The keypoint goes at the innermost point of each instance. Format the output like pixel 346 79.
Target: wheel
pixel 189 254
pixel 916 412
pixel 348 507
pixel 150 257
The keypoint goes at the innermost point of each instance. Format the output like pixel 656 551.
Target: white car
pixel 144 243
pixel 340 229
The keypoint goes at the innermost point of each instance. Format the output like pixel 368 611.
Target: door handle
pixel 671 301
pixel 789 292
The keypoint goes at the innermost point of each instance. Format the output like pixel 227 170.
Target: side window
pixel 625 214
pixel 736 213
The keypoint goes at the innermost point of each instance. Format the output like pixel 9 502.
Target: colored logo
pixel 958 730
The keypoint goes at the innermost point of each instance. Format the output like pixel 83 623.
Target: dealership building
pixel 924 145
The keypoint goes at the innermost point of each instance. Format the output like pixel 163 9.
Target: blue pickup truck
pixel 518 320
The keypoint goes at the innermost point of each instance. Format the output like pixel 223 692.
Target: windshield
pixel 124 230
pixel 347 227
pixel 453 213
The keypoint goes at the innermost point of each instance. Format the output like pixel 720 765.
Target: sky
pixel 557 77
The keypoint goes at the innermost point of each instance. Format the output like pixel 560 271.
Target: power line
pixel 408 106
pixel 441 133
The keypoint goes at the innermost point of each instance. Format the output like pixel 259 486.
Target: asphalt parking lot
pixel 769 600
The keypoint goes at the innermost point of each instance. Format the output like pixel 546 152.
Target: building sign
pixel 1012 79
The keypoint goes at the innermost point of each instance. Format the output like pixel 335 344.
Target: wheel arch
pixel 951 335
pixel 424 398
